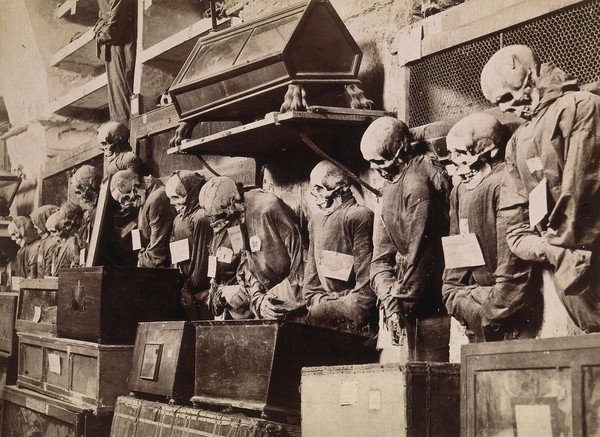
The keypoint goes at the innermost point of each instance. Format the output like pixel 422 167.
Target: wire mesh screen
pixel 446 84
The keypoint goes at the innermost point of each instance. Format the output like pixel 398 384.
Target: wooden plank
pixel 79 55
pixel 477 18
pixel 177 47
pixel 92 96
pixel 270 134
pixel 71 158
pixel 68 7
pixel 153 122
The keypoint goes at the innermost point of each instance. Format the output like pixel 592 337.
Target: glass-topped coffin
pixel 243 72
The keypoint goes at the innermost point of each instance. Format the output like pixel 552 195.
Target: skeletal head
pixel 473 143
pixel 127 188
pixel 508 80
pixel 52 224
pixel 327 182
pixel 386 144
pixel 15 234
pixel 222 201
pixel 69 219
pixel 113 137
pixel 39 217
pixel 21 231
pixel 176 193
pixel 86 183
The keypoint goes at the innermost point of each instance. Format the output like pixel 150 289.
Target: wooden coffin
pixel 8 312
pixel 531 387
pixel 163 360
pixel 27 413
pixel 105 304
pixel 256 364
pixel 416 399
pixel 37 306
pixel 87 374
pixel 141 418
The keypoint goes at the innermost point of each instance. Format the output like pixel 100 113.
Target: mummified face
pixel 15 234
pixel 386 145
pixel 327 182
pixel 472 144
pixel 69 219
pixel 508 81
pixel 176 193
pixel 221 200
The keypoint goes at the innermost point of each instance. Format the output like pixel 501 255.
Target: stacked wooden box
pixel 241 376
pixel 75 347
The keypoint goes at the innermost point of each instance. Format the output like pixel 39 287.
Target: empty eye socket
pixel 504 98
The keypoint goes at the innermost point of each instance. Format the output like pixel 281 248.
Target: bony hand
pixel 235 296
pixel 102 37
pixel 396 328
pixel 270 309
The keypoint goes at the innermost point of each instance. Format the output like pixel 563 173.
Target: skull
pixel 52 225
pixel 508 80
pixel 473 143
pixel 112 137
pixel 86 182
pixel 327 182
pixel 386 145
pixel 39 217
pixel 15 234
pixel 127 188
pixel 69 219
pixel 176 193
pixel 222 201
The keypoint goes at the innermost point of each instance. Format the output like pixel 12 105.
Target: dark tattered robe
pixel 414 217
pixel 48 243
pixel 503 286
pixel 350 304
pixel 279 264
pixel 155 222
pixel 25 263
pixel 194 226
pixel 561 144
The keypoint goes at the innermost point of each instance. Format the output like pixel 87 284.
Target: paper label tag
pixel 255 243
pixel 224 255
pixel 180 251
pixel 212 266
pixel 37 314
pixel 534 164
pixel 463 225
pixel 462 251
pixel 136 239
pixel 336 265
pixel 533 420
pixel 82 257
pixel 349 393
pixel 538 203
pixel 54 363
pixel 235 236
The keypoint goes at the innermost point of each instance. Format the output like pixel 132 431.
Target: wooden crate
pixel 531 387
pixel 37 306
pixel 256 365
pixel 416 399
pixel 142 418
pixel 163 360
pixel 27 413
pixel 88 374
pixel 8 312
pixel 105 304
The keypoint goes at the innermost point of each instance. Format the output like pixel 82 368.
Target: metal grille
pixel 85 374
pixel 446 84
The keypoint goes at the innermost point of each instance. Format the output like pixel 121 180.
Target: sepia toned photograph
pixel 286 218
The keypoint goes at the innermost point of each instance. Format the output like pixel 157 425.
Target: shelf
pixel 81 11
pixel 177 47
pixel 84 101
pixel 330 128
pixel 80 55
